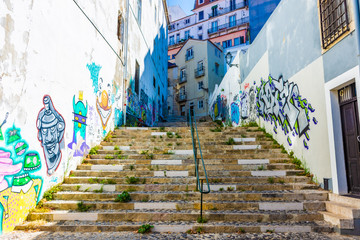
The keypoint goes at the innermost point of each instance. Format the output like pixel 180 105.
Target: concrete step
pixel 190 195
pixel 179 227
pixel 347 211
pixel 174 215
pixel 339 221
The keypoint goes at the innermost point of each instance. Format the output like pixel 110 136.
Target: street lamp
pixel 228 59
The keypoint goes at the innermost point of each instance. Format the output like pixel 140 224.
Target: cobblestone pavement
pixel 175 236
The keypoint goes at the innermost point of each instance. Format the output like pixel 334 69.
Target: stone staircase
pixel 254 186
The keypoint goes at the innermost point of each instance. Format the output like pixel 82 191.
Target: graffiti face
pixel 103 103
pixel 280 102
pixel 51 127
pixel 79 135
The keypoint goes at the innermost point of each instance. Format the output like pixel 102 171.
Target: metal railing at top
pixel 200 187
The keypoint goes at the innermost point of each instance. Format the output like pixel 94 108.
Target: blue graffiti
pixel 94 71
pixel 235 117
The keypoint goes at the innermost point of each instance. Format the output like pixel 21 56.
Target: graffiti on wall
pixel 103 92
pixel 220 109
pixel 280 103
pixel 51 127
pixel 1 125
pixel 19 189
pixel 118 107
pixel 78 143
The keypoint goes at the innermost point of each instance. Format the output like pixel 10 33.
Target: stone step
pixel 338 220
pixel 190 195
pixel 176 227
pixel 186 187
pixel 342 209
pixel 351 201
pixel 188 205
pixel 174 215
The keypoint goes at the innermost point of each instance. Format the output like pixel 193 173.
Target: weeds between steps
pixel 108 137
pixel 146 228
pixel 94 150
pixel 123 197
pixel 132 180
pixel 201 220
pixel 81 207
pixel 231 141
pixel 49 194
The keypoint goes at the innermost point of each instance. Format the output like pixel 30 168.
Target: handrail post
pixel 201 201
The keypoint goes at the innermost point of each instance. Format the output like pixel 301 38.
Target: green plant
pixel 177 135
pixel 250 124
pixel 281 181
pixel 160 136
pixel 123 197
pixel 77 187
pixel 230 189
pixel 143 181
pixel 157 167
pixel 132 180
pixel 168 153
pixel 201 220
pixel 187 188
pixel 81 207
pixel 217 129
pixel 100 190
pixel 241 230
pixel 178 144
pixel 170 134
pixel 145 228
pixel 271 180
pixel 199 230
pixel 149 156
pixel 108 137
pixel 162 129
pixel 110 181
pixel 109 157
pixel 94 150
pixel 169 144
pixel 221 189
pixel 132 167
pixel 93 180
pixel 116 148
pixel 156 149
pixel 165 173
pixel 270 231
pixel 131 189
pixel 156 182
pixel 231 141
pixel 291 154
pixel 260 168
pixel 145 199
pixel 49 194
pixel 143 152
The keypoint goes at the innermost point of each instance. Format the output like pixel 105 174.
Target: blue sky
pixel 186 5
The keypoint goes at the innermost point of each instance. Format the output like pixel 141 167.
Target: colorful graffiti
pixel 51 127
pixel 219 109
pixel 119 121
pixel 79 135
pixel 2 124
pixel 235 117
pixel 19 190
pixel 280 102
pixel 103 91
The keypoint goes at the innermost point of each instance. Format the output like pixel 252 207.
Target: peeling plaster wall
pixel 61 90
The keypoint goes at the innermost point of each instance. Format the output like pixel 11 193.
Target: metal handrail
pixel 192 122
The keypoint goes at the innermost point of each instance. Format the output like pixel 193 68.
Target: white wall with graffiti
pixel 61 92
pixel 282 89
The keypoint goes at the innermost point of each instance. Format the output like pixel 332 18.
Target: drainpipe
pixel 357 26
pixel 125 61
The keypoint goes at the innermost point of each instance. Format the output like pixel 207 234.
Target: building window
pixel 232 21
pixel 214 26
pixel 187 34
pixel 187 21
pixel 137 77
pixel 173 56
pixel 214 11
pixel 227 43
pixel 217 68
pixel 177 37
pixel 154 81
pixel 182 75
pixel 201 1
pixel 159 90
pixel 334 20
pixel 201 15
pixel 199 28
pixel 172 40
pixel 200 104
pixel 189 54
pixel 236 41
pixel 200 36
pixel 242 40
pixel 120 28
pixel 139 11
pixel 200 85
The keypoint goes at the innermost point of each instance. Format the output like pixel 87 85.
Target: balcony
pixel 228 25
pixel 183 78
pixel 222 11
pixel 200 72
pixel 181 97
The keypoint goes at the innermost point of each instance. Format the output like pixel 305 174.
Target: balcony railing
pixel 181 97
pixel 228 25
pixel 183 78
pixel 222 11
pixel 199 72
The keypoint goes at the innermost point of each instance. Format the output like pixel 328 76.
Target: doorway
pixel 351 136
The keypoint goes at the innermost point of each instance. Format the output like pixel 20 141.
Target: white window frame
pixel 202 103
